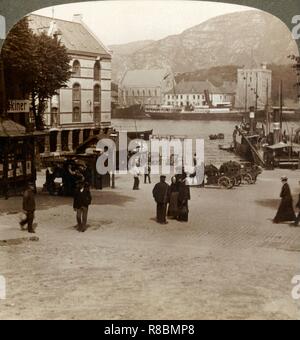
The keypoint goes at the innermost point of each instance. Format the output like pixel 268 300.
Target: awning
pixel 282 145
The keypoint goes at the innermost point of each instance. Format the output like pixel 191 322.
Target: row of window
pixel 76 100
pixel 194 97
pixel 142 93
pixel 76 70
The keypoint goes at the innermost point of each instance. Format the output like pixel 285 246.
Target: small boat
pixel 219 136
pixel 229 147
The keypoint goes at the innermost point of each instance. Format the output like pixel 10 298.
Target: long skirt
pixel 285 212
pixel 183 214
pixel 173 206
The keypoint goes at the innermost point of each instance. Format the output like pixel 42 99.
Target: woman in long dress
pixel 286 211
pixel 173 199
pixel 184 196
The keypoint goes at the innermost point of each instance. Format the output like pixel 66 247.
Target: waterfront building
pixel 145 87
pixel 201 93
pixel 254 88
pixel 83 107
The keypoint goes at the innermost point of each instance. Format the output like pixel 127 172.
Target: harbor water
pixel 193 129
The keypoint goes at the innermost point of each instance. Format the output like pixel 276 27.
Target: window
pixel 76 98
pixel 76 69
pixel 150 93
pixel 97 69
pixel 97 94
pixel 97 104
pixel 138 93
pixel 144 94
pixel 155 93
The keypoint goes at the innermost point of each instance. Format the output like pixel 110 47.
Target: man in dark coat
pixel 161 196
pixel 286 211
pixel 29 209
pixel 82 201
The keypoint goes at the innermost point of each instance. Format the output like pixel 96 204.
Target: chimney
pixel 77 18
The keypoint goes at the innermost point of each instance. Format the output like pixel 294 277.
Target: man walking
pixel 82 201
pixel 147 175
pixel 161 196
pixel 29 207
pixel 136 176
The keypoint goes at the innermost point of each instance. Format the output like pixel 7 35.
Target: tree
pixel 36 66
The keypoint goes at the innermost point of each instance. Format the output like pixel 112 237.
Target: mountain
pixel 243 38
pixel 121 54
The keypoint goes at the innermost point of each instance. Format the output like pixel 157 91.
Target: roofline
pixel 82 23
pixel 90 54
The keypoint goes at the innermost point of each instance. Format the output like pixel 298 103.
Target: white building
pixel 145 87
pixel 251 82
pixel 201 93
pixel 83 107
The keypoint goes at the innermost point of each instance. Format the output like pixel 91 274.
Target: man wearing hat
pixel 29 208
pixel 286 211
pixel 82 201
pixel 161 197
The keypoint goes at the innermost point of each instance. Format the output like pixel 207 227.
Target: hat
pixel 163 176
pixel 284 178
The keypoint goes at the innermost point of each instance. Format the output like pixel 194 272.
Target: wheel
pixel 237 181
pixel 247 178
pixel 225 183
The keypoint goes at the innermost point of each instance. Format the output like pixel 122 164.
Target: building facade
pixel 145 87
pixel 83 107
pixel 254 88
pixel 200 94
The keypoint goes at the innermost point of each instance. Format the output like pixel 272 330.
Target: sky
pixel 119 22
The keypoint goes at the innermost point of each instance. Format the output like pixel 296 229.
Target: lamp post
pixel 246 92
pixel 252 119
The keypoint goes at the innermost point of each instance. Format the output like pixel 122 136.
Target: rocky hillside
pixel 245 38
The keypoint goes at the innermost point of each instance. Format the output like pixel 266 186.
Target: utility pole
pixel 246 93
pixel 267 110
pixel 281 104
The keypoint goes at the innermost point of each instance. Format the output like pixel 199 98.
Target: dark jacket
pixel 184 193
pixel 29 201
pixel 82 199
pixel 161 193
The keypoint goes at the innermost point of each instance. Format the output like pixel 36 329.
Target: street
pixel 229 262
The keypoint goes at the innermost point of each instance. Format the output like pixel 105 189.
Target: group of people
pixel 81 203
pixel 172 200
pixel 286 212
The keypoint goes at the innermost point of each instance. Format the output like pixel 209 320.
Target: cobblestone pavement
pixel 229 261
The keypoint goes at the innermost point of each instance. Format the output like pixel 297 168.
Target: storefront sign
pixel 18 106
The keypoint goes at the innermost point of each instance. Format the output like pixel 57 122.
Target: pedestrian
pixel 147 175
pixel 161 197
pixel 173 197
pixel 297 221
pixel 286 211
pixel 136 176
pixel 82 201
pixel 184 197
pixel 29 207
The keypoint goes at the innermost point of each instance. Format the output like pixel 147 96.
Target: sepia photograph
pixel 150 164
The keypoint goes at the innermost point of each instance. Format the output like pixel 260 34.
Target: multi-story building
pixel 201 93
pixel 83 107
pixel 254 88
pixel 145 87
